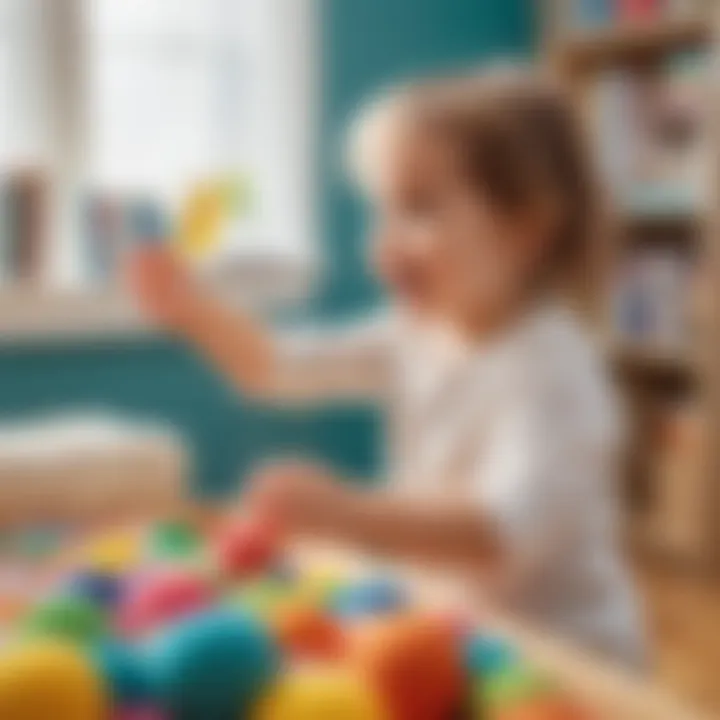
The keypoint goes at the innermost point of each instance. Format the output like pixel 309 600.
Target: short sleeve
pixel 336 362
pixel 545 473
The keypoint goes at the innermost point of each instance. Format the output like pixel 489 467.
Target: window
pixel 111 98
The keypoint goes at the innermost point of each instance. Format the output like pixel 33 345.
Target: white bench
pixel 88 468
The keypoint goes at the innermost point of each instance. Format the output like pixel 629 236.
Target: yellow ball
pixel 113 553
pixel 44 680
pixel 318 584
pixel 320 693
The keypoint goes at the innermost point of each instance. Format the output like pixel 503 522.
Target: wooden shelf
pixel 652 359
pixel 617 45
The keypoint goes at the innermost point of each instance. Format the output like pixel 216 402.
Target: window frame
pixel 61 307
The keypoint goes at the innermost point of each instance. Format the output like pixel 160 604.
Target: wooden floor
pixel 684 618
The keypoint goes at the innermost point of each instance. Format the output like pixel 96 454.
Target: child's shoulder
pixel 563 370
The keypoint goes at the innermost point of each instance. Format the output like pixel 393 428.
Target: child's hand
pixel 304 498
pixel 164 288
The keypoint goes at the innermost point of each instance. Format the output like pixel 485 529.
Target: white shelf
pixel 39 314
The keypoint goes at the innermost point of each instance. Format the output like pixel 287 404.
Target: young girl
pixel 504 432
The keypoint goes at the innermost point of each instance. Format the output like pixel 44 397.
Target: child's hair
pixel 520 143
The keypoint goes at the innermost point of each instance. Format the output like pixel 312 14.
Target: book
pixel 640 10
pixel 26 213
pixel 590 14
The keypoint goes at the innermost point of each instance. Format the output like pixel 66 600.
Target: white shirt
pixel 526 428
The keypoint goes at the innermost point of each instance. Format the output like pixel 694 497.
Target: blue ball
pixel 486 655
pixel 375 596
pixel 104 589
pixel 212 666
pixel 125 673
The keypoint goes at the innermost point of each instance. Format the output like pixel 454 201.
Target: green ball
pixel 261 598
pixel 69 618
pixel 174 540
pixel 514 686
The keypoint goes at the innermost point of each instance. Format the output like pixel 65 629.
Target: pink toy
pixel 163 597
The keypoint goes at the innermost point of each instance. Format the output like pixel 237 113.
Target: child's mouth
pixel 411 283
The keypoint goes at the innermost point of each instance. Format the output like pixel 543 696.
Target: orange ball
pixel 307 632
pixel 414 664
pixel 550 708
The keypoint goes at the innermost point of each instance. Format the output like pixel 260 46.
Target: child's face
pixel 437 245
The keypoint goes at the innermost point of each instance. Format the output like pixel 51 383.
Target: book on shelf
pixel 103 227
pixel 591 14
pixel 649 131
pixel 24 197
pixel 651 300
pixel 600 14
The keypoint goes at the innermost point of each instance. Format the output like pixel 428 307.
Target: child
pixel 504 433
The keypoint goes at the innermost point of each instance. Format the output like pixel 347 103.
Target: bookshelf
pixel 665 234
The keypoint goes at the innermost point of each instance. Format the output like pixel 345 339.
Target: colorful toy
pixel 125 674
pixel 174 540
pixel 43 680
pixel 515 685
pixel 320 693
pixel 175 622
pixel 307 632
pixel 163 597
pixel 368 598
pixel 486 655
pixel 70 618
pixel 247 547
pixel 215 665
pixel 100 588
pixel 115 553
pixel 414 665
pixel 207 211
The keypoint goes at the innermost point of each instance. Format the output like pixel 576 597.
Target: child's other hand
pixel 163 287
pixel 304 498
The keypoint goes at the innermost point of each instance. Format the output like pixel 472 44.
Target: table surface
pixel 614 694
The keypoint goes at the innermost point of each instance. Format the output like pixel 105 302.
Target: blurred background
pixel 235 109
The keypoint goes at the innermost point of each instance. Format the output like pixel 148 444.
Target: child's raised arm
pixel 167 293
pixel 309 366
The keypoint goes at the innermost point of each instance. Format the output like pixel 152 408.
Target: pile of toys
pixel 175 622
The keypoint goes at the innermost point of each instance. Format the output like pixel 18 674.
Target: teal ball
pixel 487 655
pixel 125 674
pixel 212 666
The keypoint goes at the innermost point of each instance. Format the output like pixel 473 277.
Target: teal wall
pixel 365 44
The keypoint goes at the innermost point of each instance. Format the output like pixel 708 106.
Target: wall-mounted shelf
pixel 587 50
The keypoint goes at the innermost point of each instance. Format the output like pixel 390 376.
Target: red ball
pixel 308 633
pixel 414 664
pixel 163 597
pixel 247 547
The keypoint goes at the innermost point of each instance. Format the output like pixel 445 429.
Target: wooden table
pixel 614 694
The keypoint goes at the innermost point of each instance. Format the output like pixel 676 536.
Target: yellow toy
pixel 45 680
pixel 114 553
pixel 206 212
pixel 320 693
